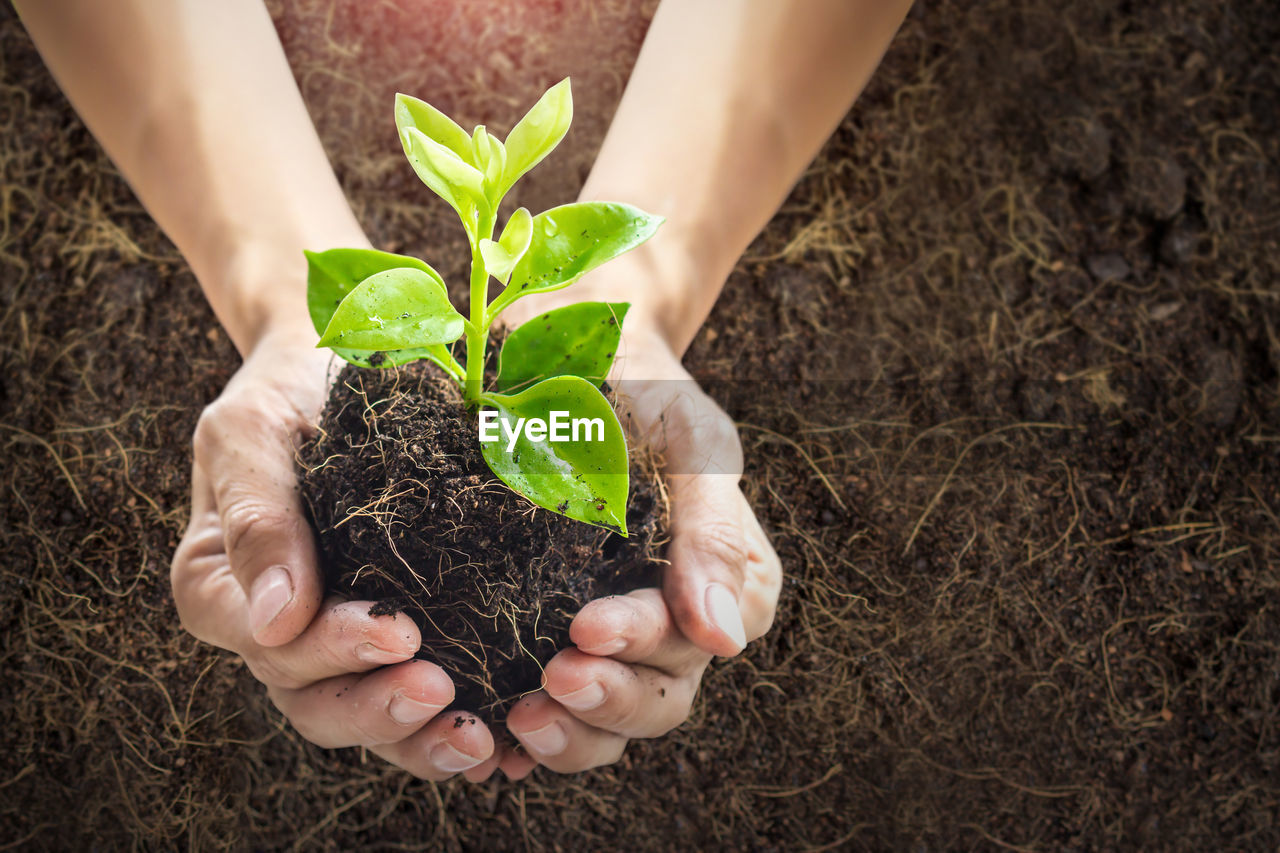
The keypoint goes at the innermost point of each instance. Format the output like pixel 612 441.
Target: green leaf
pixel 331 275
pixel 576 340
pixel 411 112
pixel 490 159
pixel 392 310
pixel 541 130
pixel 573 239
pixel 480 150
pixel 497 261
pixel 448 175
pixel 493 171
pixel 501 257
pixel 584 479
pixel 439 354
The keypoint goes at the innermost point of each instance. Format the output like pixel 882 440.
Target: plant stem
pixel 478 329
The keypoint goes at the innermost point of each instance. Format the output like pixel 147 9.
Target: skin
pixel 225 158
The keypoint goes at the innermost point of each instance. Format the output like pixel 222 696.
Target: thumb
pixel 245 448
pixel 702 465
pixel 708 555
pixel 708 551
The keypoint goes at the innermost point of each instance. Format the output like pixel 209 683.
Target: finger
pixel 482 771
pixel 246 451
pixel 517 764
pixel 210 601
pixel 703 463
pixel 763 581
pixel 627 699
pixel 449 744
pixel 510 758
pixel 342 639
pixel 635 628
pixel 557 740
pixel 367 710
pixel 708 556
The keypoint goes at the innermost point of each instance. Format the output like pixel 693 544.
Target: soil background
pixel 1005 367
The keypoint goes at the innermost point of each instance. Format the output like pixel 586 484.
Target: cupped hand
pixel 639 658
pixel 713 529
pixel 633 673
pixel 246 578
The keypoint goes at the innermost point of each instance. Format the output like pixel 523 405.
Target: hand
pixel 713 530
pixel 633 673
pixel 245 578
pixel 640 657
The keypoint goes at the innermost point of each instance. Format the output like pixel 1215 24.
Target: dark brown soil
pixel 409 516
pixel 1006 368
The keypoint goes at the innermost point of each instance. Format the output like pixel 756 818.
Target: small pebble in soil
pixel 1158 186
pixel 1108 266
pixel 1083 149
pixel 1164 311
pixel 1178 244
pixel 1222 387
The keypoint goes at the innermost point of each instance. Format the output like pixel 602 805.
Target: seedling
pixel 377 309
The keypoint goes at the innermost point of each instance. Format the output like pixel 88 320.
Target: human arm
pixel 727 105
pixel 196 105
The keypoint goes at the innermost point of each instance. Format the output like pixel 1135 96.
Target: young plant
pixel 377 309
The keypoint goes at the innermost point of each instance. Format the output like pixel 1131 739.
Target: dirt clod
pixel 409 517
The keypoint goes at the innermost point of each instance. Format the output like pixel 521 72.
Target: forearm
pixel 194 102
pixel 728 103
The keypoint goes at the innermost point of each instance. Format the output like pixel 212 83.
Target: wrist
pixel 655 280
pixel 672 281
pixel 669 290
pixel 259 293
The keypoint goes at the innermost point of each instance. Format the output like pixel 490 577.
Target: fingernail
pixel 450 760
pixel 548 740
pixel 407 712
pixel 371 654
pixel 610 647
pixel 271 593
pixel 591 696
pixel 722 609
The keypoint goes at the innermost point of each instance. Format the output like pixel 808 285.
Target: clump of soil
pixel 409 516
